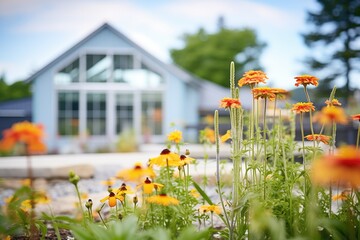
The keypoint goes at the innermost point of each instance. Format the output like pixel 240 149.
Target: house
pixel 106 85
pixel 13 111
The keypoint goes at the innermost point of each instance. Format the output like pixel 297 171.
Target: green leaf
pixel 203 194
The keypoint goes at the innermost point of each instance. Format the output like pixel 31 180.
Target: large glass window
pixel 124 112
pixel 122 66
pixel 68 113
pixel 151 113
pixel 96 113
pixel 68 74
pixel 97 68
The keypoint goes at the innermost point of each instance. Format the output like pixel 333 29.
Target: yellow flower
pixel 108 182
pixel 148 186
pixel 331 114
pixel 166 158
pixel 184 160
pixel 124 189
pixel 226 136
pixel 210 208
pixel 306 80
pixel 252 77
pixel 112 199
pixel 194 193
pixel 163 199
pixel 302 107
pixel 209 134
pixel 26 182
pixel 136 173
pixel 175 136
pixel 230 103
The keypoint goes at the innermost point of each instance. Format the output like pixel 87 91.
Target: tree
pixel 16 90
pixel 208 56
pixel 336 29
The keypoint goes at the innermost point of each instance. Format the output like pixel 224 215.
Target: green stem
pixel 274 132
pixel 358 137
pixel 303 151
pixel 264 144
pixel 311 121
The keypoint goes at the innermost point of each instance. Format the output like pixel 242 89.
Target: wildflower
pixel 302 107
pixel 356 117
pixel 112 199
pixel 148 186
pixel 184 160
pixel 226 136
pixel 135 200
pixel 333 102
pixel 89 204
pixel 210 208
pixel 194 193
pixel 280 93
pixel 163 199
pixel 26 133
pixel 252 77
pixel 109 182
pixel 136 173
pixel 341 168
pixel 208 135
pixel 331 114
pixel 318 137
pixel 306 80
pixel 341 196
pixel 263 92
pixel 209 119
pixel 175 136
pixel 166 158
pixel 230 103
pixel 25 182
pixel 124 189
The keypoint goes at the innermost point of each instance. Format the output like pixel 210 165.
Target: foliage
pixel 336 29
pixel 14 90
pixel 206 55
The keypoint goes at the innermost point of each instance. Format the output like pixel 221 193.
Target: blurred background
pixel 95 72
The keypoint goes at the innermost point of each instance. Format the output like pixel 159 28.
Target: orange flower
pixel 26 133
pixel 306 80
pixel 209 135
pixel 175 136
pixel 341 168
pixel 302 107
pixel 112 199
pixel 135 174
pixel 331 114
pixel 333 102
pixel 230 103
pixel 252 77
pixel 318 137
pixel 166 158
pixel 163 199
pixel 263 92
pixel 280 93
pixel 341 196
pixel 356 117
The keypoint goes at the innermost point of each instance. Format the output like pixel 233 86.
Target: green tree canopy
pixel 16 90
pixel 335 30
pixel 208 56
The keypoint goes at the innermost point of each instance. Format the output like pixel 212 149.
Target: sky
pixel 34 32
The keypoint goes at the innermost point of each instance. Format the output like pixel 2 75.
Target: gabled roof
pixel 172 69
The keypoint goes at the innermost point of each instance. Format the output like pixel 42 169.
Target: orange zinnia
pixel 356 117
pixel 252 77
pixel 306 80
pixel 341 168
pixel 331 114
pixel 333 102
pixel 302 107
pixel 230 103
pixel 263 92
pixel 26 133
pixel 318 137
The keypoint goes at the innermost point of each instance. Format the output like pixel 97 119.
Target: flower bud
pixel 89 204
pixel 73 178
